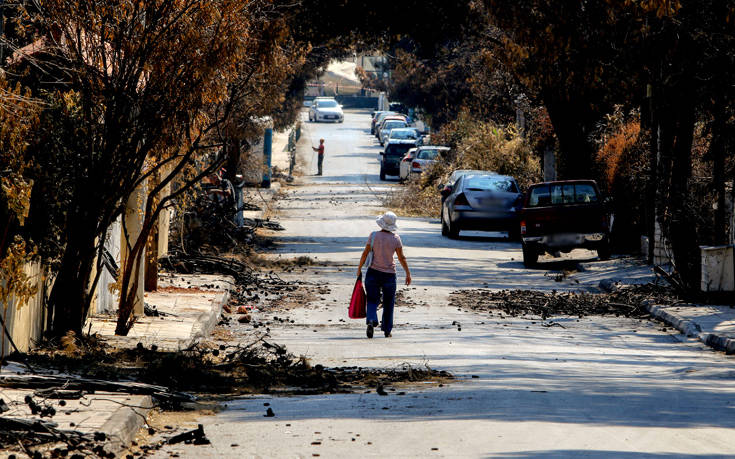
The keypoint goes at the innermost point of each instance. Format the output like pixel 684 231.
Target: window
pixel 490 183
pixel 326 104
pixel 428 154
pixel 401 134
pixel 394 124
pixel 540 196
pixel 560 194
pixel 392 150
pixel 585 192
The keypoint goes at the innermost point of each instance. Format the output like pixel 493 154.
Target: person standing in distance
pixel 381 273
pixel 320 154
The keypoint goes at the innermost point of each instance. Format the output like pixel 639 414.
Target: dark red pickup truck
pixel 565 215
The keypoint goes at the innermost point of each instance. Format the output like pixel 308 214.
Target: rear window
pixel 428 154
pixel 397 149
pixel 561 194
pixel 490 183
pixel 396 134
pixel 394 124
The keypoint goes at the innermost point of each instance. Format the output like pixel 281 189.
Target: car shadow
pixel 551 265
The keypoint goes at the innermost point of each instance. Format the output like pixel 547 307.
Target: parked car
pixel 562 216
pixel 426 156
pixel 379 119
pixel 405 134
pixel 390 158
pixel 398 107
pixel 405 168
pixel 326 110
pixel 376 114
pixel 384 119
pixel 481 202
pixel 455 176
pixel 389 125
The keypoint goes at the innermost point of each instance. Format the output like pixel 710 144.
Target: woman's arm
pixel 363 258
pixel 404 263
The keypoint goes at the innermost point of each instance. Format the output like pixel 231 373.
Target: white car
pixel 387 127
pixel 326 110
pixel 425 157
pixel 405 168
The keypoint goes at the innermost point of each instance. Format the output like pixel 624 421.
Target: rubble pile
pixel 627 302
pixel 205 368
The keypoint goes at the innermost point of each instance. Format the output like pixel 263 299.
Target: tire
pixel 604 252
pixel 530 256
pixel 445 227
pixel 382 173
pixel 452 229
pixel 514 234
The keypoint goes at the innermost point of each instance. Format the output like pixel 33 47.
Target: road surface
pixel 596 387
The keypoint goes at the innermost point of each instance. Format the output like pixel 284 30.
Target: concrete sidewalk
pixel 712 325
pixel 189 307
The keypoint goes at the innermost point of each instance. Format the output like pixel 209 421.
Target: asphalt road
pixel 593 387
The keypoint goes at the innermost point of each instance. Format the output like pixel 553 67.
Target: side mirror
pixel 382 153
pixel 446 191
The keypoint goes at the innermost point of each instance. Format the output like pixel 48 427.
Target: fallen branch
pixel 160 393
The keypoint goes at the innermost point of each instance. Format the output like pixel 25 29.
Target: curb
pixel 124 424
pixel 691 329
pixel 208 320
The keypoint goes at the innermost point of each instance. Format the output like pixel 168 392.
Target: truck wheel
pixel 604 251
pixel 382 173
pixel 530 256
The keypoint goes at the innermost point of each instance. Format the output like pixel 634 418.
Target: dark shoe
pixel 388 334
pixel 370 330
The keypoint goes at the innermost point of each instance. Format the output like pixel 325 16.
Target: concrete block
pixel 718 271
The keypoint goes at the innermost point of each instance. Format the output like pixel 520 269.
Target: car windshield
pixel 394 124
pixel 564 193
pixel 428 154
pixel 326 104
pixel 490 183
pixel 401 134
pixel 392 150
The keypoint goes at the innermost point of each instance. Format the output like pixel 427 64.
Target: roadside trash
pixel 380 390
pixel 244 319
pixel 358 302
pixel 244 309
pixel 196 437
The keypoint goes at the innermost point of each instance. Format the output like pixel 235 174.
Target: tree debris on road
pixel 628 302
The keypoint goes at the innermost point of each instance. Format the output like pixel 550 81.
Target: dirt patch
pixel 628 302
pixel 404 300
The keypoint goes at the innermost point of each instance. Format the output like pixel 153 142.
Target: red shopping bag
pixel 358 302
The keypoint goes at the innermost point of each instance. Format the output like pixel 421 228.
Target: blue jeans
pixel 375 282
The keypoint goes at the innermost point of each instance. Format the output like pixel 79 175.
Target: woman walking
pixel 381 273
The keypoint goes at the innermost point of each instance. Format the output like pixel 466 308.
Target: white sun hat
pixel 387 221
